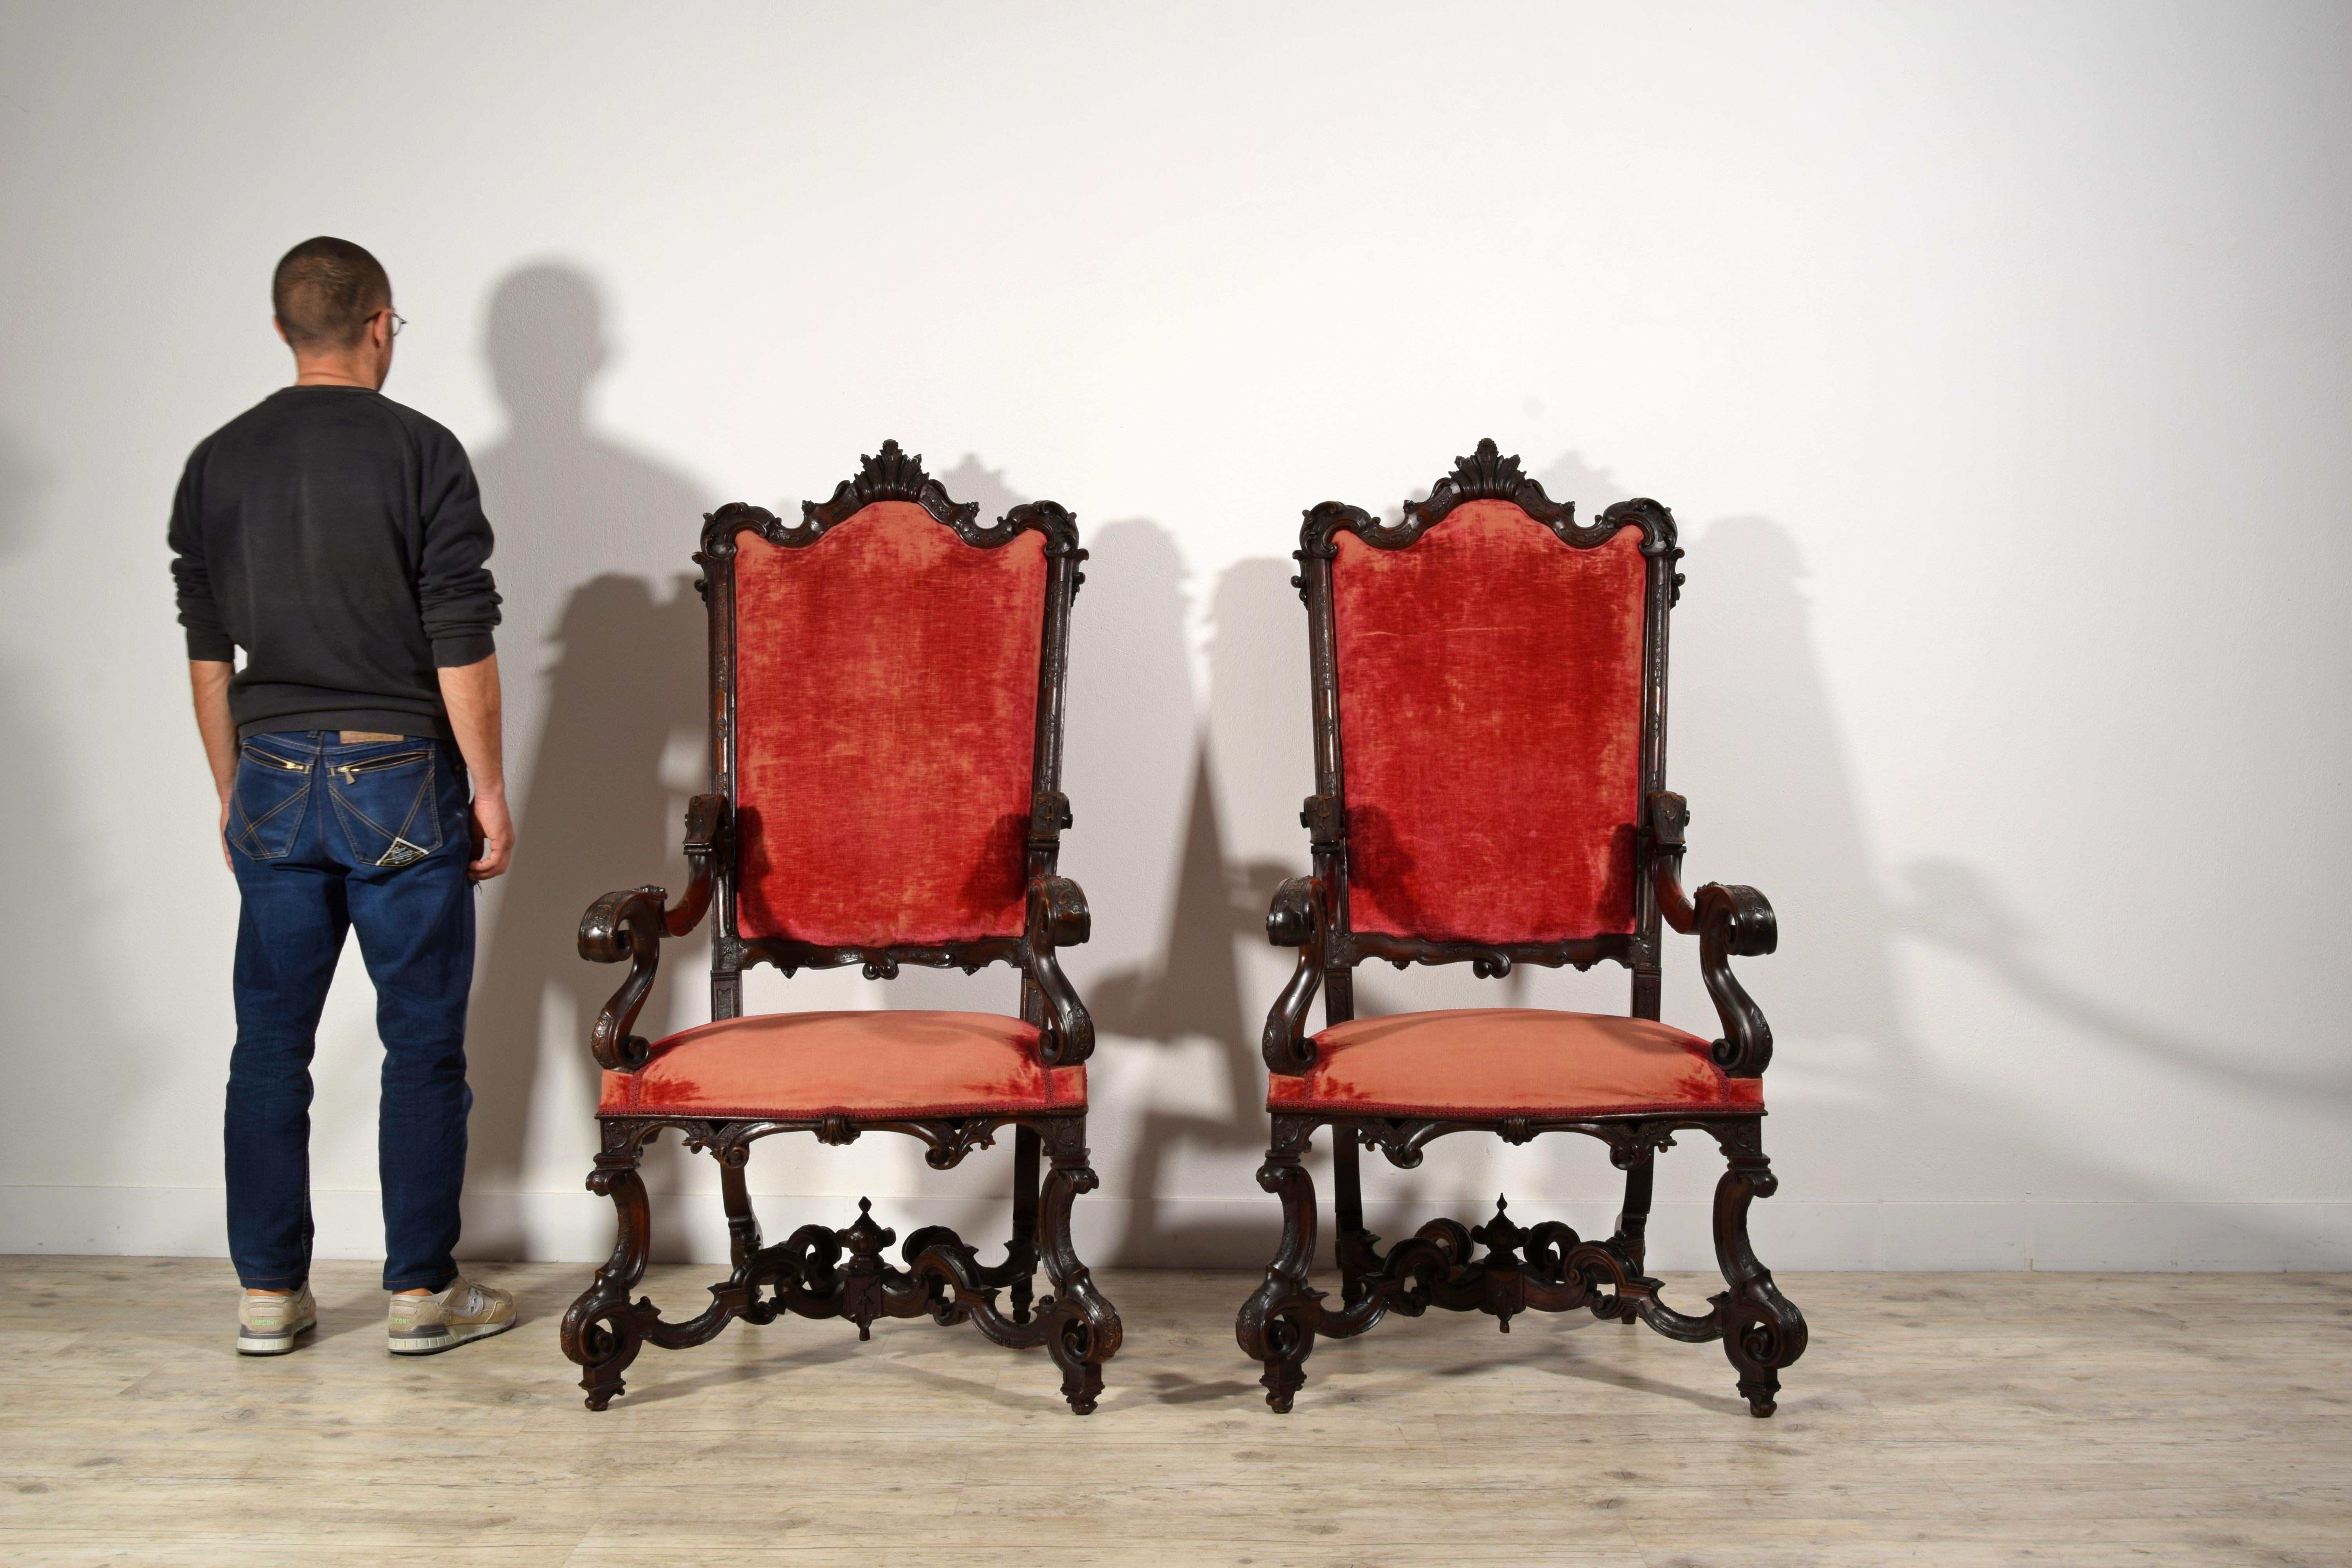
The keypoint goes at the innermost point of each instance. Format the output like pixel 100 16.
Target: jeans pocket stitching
pixel 425 793
pixel 426 790
pixel 253 844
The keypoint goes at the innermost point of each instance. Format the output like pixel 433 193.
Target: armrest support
pixel 1731 922
pixel 1296 920
pixel 631 923
pixel 1736 923
pixel 1058 917
pixel 1669 816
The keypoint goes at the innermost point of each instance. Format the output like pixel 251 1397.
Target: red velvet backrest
pixel 1490 722
pixel 886 705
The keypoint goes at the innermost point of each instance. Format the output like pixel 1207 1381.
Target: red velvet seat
pixel 868 1064
pixel 1490 1062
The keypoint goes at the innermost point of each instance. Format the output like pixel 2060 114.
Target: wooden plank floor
pixel 2050 1418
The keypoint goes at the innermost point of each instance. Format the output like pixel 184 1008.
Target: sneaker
pixel 267 1325
pixel 421 1325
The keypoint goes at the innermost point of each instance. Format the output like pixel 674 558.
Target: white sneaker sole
pixel 441 1337
pixel 274 1343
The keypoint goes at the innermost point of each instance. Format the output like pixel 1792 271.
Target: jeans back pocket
pixel 266 809
pixel 386 806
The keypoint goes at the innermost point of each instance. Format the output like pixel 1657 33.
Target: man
pixel 337 538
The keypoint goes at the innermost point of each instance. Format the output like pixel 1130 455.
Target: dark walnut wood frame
pixel 1546 1267
pixel 943 1277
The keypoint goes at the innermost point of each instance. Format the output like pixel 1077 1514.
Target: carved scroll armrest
pixel 1731 922
pixel 1296 920
pixel 630 923
pixel 1058 918
pixel 1736 923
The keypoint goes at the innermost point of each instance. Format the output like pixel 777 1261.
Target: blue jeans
pixel 328 837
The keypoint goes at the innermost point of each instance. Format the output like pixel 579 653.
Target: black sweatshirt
pixel 338 538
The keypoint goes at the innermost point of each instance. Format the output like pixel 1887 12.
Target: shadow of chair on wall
pixel 1128 747
pixel 1756 747
pixel 625 681
pixel 1196 990
pixel 1137 765
pixel 997 987
pixel 1755 744
pixel 1955 907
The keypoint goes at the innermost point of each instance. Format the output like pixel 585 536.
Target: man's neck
pixel 315 373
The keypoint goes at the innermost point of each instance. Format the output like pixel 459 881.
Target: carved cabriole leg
pixel 1085 1328
pixel 1762 1329
pixel 1269 1327
pixel 602 1333
pixel 1020 1252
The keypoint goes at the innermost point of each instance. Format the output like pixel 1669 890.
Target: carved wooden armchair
pixel 1490 712
pixel 886 686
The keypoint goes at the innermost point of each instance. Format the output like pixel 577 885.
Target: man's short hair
pixel 324 291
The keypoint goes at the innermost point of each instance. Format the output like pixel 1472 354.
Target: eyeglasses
pixel 398 320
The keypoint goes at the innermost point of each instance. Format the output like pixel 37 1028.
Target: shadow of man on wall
pixel 605 674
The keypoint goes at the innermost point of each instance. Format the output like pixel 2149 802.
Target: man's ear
pixel 279 328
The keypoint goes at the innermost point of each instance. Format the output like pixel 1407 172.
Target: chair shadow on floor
pixel 1176 1388
pixel 650 1388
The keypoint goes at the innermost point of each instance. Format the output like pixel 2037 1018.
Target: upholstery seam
pixel 890 1113
pixel 1486 1113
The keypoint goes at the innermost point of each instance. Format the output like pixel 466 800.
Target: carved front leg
pixel 602 1333
pixel 1762 1329
pixel 1084 1330
pixel 1270 1326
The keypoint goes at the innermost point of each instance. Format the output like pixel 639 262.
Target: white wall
pixel 1993 358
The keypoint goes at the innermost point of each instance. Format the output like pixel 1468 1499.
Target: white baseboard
pixel 575 1226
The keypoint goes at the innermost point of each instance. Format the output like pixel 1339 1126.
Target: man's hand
pixel 470 692
pixel 493 835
